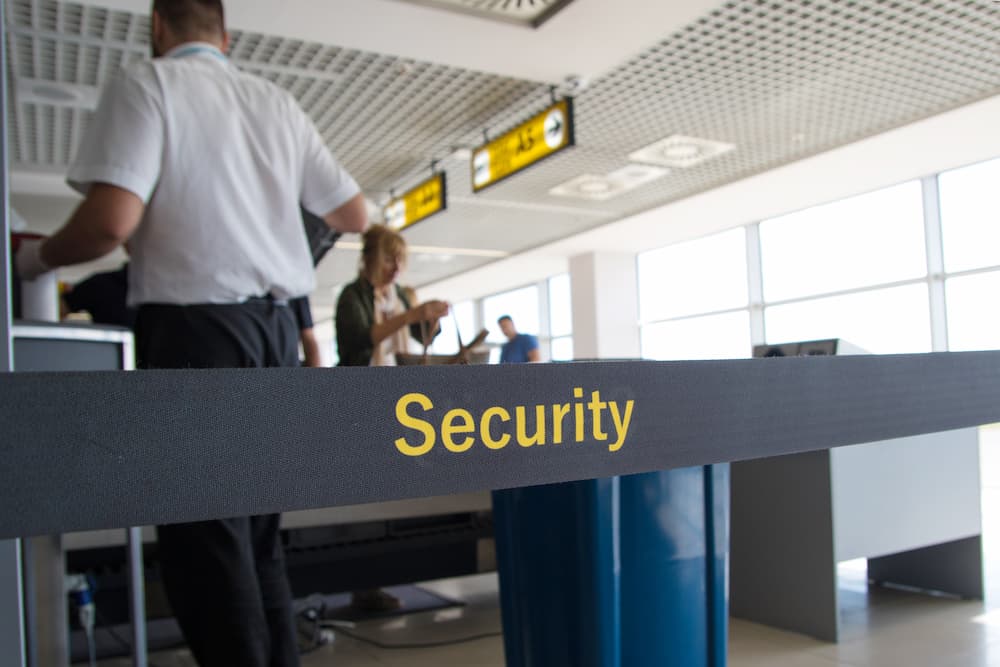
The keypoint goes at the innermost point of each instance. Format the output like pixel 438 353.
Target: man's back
pixel 221 224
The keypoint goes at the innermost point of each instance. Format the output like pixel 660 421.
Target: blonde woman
pixel 375 315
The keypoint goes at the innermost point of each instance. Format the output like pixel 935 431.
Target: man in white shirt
pixel 200 169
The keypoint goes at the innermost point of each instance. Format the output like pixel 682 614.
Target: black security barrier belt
pixel 113 449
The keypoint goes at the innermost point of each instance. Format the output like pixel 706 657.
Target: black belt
pixel 268 299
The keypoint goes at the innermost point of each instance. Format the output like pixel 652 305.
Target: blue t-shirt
pixel 516 351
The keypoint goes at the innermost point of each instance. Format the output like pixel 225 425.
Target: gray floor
pixel 881 628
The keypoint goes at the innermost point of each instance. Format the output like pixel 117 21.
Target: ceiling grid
pixel 779 79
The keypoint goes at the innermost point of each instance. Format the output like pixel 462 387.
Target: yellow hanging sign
pixel 531 141
pixel 421 202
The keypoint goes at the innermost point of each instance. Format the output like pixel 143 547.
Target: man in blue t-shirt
pixel 519 347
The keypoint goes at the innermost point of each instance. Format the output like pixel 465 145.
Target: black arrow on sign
pixel 556 128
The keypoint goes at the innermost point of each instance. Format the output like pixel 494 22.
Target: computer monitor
pixel 42 346
pixel 808 348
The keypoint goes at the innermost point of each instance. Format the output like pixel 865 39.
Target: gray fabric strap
pixel 112 449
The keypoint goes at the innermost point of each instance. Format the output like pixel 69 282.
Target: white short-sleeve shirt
pixel 222 160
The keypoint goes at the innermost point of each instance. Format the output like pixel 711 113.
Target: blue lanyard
pixel 197 48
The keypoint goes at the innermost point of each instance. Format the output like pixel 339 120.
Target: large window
pixel 704 278
pixel 700 276
pixel 855 269
pixel 973 314
pixel 725 336
pixel 461 320
pixel 882 321
pixel 863 241
pixel 970 216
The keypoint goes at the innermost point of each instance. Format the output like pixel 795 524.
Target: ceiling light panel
pixel 601 188
pixel 531 13
pixel 592 187
pixel 680 151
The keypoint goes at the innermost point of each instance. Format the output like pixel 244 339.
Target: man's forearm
pixel 351 216
pixel 74 244
pixel 103 221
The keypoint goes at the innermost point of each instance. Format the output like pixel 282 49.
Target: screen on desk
pixel 809 348
pixel 70 348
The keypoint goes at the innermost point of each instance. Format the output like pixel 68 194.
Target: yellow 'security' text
pixel 496 427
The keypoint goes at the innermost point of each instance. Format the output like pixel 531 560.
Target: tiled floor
pixel 880 628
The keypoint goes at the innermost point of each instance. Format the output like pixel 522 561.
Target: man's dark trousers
pixel 225 579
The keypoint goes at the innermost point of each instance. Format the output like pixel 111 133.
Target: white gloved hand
pixel 29 262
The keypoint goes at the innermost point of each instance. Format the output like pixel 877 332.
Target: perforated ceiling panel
pixel 777 79
pixel 380 114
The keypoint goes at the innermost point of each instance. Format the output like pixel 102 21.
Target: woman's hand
pixel 431 310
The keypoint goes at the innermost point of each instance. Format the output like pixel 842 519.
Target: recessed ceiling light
pixel 594 187
pixel 588 186
pixel 531 13
pixel 433 250
pixel 680 151
pixel 634 175
pixel 55 93
pixel 431 258
pixel 601 187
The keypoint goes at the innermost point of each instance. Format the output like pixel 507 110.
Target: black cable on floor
pixel 376 643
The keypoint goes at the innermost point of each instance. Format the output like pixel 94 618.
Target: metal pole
pixel 12 647
pixel 6 349
pixel 11 610
pixel 137 597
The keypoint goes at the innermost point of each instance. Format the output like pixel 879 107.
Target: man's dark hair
pixel 192 18
pixel 504 317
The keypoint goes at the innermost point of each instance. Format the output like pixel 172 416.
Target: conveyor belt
pixel 110 449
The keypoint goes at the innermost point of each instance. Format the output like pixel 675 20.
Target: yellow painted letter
pixel 578 412
pixel 448 427
pixel 416 424
pixel 484 428
pixel 522 428
pixel 621 425
pixel 559 413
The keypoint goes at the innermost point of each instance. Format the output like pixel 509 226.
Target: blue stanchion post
pixel 616 572
pixel 558 564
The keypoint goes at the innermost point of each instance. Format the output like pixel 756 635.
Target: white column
pixel 605 305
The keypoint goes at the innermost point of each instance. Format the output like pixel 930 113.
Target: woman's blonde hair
pixel 378 241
